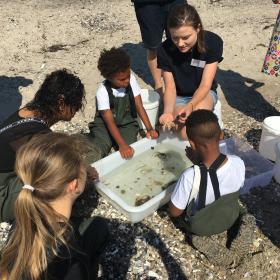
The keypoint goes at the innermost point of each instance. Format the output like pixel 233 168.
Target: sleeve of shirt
pixel 102 98
pixel 162 60
pixel 181 193
pixel 134 85
pixel 215 49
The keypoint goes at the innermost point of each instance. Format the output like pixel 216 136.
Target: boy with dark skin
pixel 118 103
pixel 213 208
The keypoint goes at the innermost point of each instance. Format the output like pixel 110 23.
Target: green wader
pixel 127 125
pixel 10 186
pixel 223 215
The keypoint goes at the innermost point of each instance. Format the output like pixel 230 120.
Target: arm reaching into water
pixel 125 150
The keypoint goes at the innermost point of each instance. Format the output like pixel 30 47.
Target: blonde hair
pixel 48 162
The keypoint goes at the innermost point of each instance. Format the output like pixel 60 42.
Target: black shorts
pixel 152 19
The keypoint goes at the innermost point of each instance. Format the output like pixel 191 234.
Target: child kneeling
pixel 205 199
pixel 118 103
pixel 44 243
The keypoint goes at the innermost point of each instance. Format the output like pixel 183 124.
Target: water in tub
pixel 148 174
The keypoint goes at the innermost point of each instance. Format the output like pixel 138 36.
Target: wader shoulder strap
pixel 214 179
pixel 131 101
pixel 110 93
pixel 128 91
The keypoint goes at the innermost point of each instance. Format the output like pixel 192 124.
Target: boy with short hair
pixel 208 193
pixel 118 103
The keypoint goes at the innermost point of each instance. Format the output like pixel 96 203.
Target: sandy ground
pixel 38 37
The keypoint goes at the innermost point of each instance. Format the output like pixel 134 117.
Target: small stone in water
pixel 117 187
pixel 122 191
pixel 141 200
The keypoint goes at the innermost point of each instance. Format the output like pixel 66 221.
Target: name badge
pixel 198 63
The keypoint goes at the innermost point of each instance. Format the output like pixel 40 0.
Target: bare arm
pixel 125 150
pixel 169 97
pixel 169 100
pixel 208 76
pixel 174 211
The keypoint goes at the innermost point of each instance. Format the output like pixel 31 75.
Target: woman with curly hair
pixel 59 97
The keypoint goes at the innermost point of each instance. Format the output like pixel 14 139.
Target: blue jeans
pixel 183 100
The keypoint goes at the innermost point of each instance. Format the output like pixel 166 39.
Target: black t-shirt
pixel 71 262
pixel 151 1
pixel 12 138
pixel 186 76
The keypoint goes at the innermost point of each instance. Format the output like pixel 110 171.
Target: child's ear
pixel 222 135
pixel 192 145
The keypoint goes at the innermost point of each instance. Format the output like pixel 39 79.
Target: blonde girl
pixel 43 244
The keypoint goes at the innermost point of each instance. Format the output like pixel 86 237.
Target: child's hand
pixel 152 134
pixel 126 151
pixel 192 155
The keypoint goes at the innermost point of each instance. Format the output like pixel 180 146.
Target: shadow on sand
pixel 241 93
pixel 10 96
pixel 117 256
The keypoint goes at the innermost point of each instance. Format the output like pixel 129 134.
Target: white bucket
pixel 277 163
pixel 270 136
pixel 150 99
pixel 218 112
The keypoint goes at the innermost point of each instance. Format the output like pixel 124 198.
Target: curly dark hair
pixel 58 85
pixel 202 125
pixel 113 61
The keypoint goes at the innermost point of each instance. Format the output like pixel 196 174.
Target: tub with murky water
pixel 139 186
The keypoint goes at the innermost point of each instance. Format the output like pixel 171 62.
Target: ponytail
pixel 39 229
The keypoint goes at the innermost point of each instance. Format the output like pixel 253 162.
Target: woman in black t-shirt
pixel 43 243
pixel 60 96
pixel 189 61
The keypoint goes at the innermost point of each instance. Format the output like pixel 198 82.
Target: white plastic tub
pixel 150 99
pixel 259 172
pixel 108 164
pixel 277 163
pixel 270 136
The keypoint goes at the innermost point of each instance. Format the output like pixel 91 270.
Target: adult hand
pixel 126 151
pixel 92 174
pixel 152 134
pixel 184 113
pixel 166 120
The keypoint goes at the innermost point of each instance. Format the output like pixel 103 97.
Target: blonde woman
pixel 43 244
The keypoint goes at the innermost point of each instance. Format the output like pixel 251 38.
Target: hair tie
pixel 28 187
